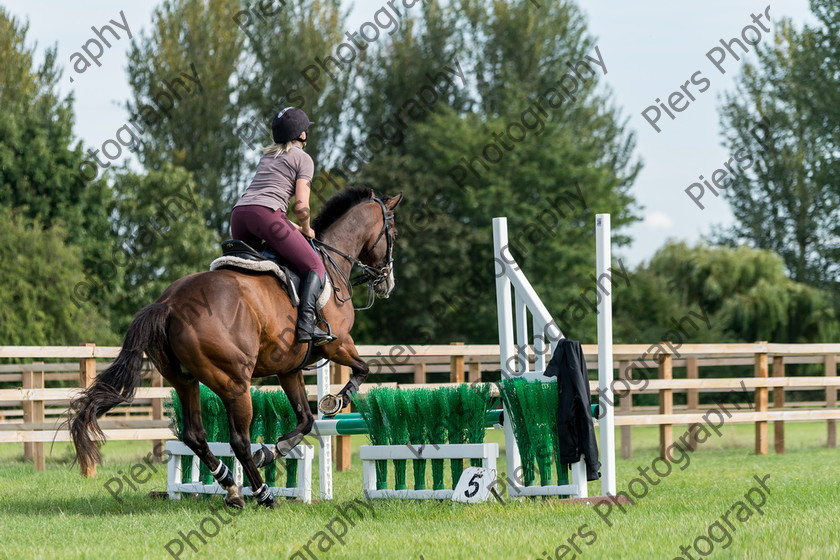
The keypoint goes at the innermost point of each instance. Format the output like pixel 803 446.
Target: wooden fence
pixel 31 413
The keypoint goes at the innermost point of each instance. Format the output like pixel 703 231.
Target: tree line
pixel 469 107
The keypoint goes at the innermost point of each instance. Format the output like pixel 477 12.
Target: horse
pixel 228 327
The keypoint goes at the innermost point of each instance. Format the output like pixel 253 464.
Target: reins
pixel 372 275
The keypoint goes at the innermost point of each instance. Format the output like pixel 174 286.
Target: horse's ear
pixel 392 202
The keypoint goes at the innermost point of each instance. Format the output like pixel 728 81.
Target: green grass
pixel 58 514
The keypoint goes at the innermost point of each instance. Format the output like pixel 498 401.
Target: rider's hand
pixel 308 232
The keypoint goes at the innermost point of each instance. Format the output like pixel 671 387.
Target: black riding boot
pixel 310 289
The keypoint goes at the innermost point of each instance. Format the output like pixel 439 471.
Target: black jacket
pixel 574 415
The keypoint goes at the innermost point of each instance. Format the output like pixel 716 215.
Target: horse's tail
pixel 116 384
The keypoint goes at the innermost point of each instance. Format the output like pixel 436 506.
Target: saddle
pixel 238 255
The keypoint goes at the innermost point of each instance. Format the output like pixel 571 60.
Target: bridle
pixel 373 276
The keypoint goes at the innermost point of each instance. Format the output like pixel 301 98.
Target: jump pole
pixel 506 347
pixel 606 422
pixel 325 481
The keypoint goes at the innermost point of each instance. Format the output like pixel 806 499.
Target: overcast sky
pixel 650 49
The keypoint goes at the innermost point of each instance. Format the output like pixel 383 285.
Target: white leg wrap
pixel 263 494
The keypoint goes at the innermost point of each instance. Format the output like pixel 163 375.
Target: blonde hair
pixel 279 148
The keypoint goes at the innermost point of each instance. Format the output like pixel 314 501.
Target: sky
pixel 650 49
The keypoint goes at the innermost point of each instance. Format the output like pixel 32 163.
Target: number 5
pixel 469 493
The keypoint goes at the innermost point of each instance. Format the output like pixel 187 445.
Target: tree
pixel 161 236
pixel 39 157
pixel 279 69
pixel 744 292
pixel 37 305
pixel 455 158
pixel 197 42
pixel 783 124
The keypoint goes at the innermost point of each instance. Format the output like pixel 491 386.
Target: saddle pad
pixel 270 266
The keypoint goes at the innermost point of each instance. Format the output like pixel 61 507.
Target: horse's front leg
pixel 346 355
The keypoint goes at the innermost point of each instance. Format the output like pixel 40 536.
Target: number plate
pixel 474 485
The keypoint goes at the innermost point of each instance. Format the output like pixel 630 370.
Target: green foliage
pixel 193 36
pixel 39 273
pixel 277 51
pixel 438 415
pixel 42 195
pixel 421 416
pixel 511 391
pixel 161 227
pixel 39 158
pixel 418 431
pixel 533 416
pixel 787 201
pixel 510 53
pixel 272 417
pixel 745 293
pixel 400 435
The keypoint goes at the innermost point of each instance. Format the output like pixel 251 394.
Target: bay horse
pixel 227 327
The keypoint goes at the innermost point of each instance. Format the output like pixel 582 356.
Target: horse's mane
pixel 337 206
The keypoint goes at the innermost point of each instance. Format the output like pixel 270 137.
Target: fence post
pixel 831 398
pixel 87 373
pixel 341 444
pixel 33 412
pixel 456 366
pixel 27 382
pixel 761 403
pixel 666 403
pixel 157 414
pixel 626 407
pixel 420 373
pixel 779 403
pixel 692 371
pixel 474 375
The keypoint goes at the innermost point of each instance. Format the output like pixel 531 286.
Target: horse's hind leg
pixel 296 391
pixel 238 405
pixel 196 438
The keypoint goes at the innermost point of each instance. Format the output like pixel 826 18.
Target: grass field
pixel 58 514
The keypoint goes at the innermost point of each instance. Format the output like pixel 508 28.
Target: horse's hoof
pixel 264 456
pixel 283 447
pixel 329 405
pixel 269 505
pixel 237 502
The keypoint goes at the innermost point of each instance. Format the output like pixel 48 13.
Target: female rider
pixel 285 171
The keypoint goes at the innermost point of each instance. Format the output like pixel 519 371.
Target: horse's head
pixel 378 249
pixel 361 226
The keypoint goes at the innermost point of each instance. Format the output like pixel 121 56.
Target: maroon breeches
pixel 254 224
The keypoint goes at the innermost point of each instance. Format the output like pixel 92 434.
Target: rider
pixel 284 171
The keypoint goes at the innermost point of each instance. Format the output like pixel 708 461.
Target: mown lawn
pixel 58 514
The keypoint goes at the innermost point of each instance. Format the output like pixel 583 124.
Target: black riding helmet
pixel 289 124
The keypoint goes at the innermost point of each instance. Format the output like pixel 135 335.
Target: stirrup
pixel 319 337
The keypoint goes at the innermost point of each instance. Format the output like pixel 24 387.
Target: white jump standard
pixel 515 362
pixel 177 449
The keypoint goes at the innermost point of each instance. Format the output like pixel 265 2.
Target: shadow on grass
pixel 132 505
